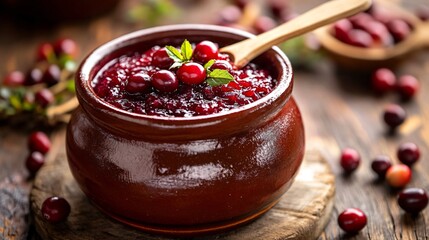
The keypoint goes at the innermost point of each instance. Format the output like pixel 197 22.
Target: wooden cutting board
pixel 301 213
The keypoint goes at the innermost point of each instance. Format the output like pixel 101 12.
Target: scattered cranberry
pixel 359 38
pixel 423 13
pixel 45 52
pixel 191 73
pixel 65 46
pixel 55 209
pixel 264 24
pixel 394 115
pixel 408 153
pixel 34 162
pixel 398 175
pixel 34 76
pixel 399 29
pixel 44 97
pixel 165 81
pixel 408 86
pixel 161 59
pixel 138 83
pixel 39 141
pixel 205 51
pixel 14 79
pixel 350 160
pixel 352 220
pixel 52 75
pixel 342 29
pixel 229 15
pixel 413 200
pixel 380 165
pixel 222 64
pixel 383 80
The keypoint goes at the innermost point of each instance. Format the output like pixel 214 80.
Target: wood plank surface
pixel 338 107
pixel 302 212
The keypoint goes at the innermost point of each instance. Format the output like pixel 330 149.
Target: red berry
pixel 359 38
pixel 380 165
pixel 394 115
pixel 229 15
pixel 34 76
pixel 34 162
pixel 52 75
pixel 379 33
pixel 55 209
pixel 350 160
pixel 342 29
pixel 165 81
pixel 278 7
pixel 45 52
pixel 423 13
pixel 408 86
pixel 360 20
pixel 398 175
pixel 138 83
pixel 241 3
pixel 39 141
pixel 205 51
pixel 65 46
pixel 161 59
pixel 222 64
pixel 399 29
pixel 191 73
pixel 413 200
pixel 408 153
pixel 352 220
pixel 383 80
pixel 264 24
pixel 44 97
pixel 14 79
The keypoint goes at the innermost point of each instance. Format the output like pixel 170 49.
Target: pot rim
pixel 84 79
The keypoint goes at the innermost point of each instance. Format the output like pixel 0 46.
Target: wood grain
pixel 300 214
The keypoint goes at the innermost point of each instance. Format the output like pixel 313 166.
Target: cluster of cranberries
pixel 279 12
pixel 377 27
pixel 412 200
pixel 146 83
pixel 51 58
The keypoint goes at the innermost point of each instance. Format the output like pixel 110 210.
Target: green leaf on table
pixel 219 77
pixel 186 49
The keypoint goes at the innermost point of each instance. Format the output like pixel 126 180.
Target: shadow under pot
pixel 185 176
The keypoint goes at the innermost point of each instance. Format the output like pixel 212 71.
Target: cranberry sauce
pixel 140 83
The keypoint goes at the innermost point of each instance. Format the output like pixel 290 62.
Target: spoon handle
pixel 244 51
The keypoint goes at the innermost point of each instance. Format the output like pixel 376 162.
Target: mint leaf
pixel 209 64
pixel 176 65
pixel 186 49
pixel 174 54
pixel 219 77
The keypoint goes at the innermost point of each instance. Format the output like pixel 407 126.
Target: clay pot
pixel 185 176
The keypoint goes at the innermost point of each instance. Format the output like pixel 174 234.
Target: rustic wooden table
pixel 338 107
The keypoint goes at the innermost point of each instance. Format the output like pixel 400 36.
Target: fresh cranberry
pixel 394 115
pixel 398 175
pixel 205 51
pixel 138 83
pixel 45 52
pixel 52 75
pixel 423 13
pixel 65 46
pixel 39 141
pixel 360 20
pixel 165 81
pixel 380 165
pixel 33 76
pixel 222 64
pixel 342 29
pixel 383 80
pixel 379 33
pixel 14 79
pixel 352 220
pixel 229 15
pixel 408 86
pixel 408 153
pixel 350 159
pixel 34 162
pixel 191 73
pixel 44 97
pixel 399 29
pixel 413 200
pixel 359 38
pixel 263 24
pixel 55 209
pixel 161 59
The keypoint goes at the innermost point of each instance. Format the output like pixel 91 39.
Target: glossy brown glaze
pixel 185 176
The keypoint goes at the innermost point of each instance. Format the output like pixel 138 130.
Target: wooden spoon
pixel 357 57
pixel 329 12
